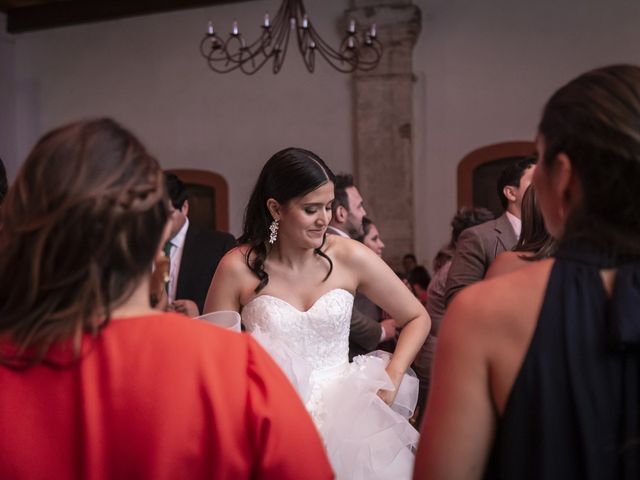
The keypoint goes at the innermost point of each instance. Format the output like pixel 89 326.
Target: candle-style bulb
pixel 352 26
pixel 305 21
pixel 234 29
pixel 312 45
pixel 374 31
pixel 350 43
pixel 210 30
pixel 292 22
pixel 267 21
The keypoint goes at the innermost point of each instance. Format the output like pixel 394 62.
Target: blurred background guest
pixel 419 279
pixel 366 331
pixel 363 306
pixel 478 246
pixel 194 253
pixel 435 300
pixel 409 262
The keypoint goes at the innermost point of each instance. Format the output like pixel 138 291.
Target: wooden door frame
pixel 219 185
pixel 483 155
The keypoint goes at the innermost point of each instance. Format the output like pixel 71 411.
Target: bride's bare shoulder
pixel 235 260
pixel 341 247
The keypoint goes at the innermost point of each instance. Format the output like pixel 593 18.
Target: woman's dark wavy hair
pixel 534 237
pixel 288 174
pixel 595 121
pixel 81 225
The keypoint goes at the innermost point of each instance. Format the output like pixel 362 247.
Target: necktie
pixel 167 248
pixel 167 252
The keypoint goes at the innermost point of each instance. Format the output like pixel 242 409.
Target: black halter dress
pixel 573 412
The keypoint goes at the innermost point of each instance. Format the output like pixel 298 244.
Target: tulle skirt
pixel 365 439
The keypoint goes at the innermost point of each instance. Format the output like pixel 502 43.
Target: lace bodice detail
pixel 320 335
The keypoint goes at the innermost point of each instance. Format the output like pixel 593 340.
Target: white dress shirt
pixel 337 231
pixel 175 257
pixel 515 222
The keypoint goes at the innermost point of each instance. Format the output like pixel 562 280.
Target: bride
pixel 294 286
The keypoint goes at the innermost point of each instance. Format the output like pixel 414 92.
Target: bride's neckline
pixel 293 306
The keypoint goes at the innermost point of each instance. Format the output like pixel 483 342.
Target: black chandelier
pixel 356 52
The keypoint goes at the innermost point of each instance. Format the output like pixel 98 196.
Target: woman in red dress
pixel 96 384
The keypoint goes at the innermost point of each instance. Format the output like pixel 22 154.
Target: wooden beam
pixel 75 12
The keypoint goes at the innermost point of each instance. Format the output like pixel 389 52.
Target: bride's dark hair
pixel 288 174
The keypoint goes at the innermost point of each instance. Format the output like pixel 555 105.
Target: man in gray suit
pixel 478 246
pixel 366 331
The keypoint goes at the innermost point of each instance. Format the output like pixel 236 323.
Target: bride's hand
pixel 388 396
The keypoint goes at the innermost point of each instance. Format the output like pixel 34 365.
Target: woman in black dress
pixel 537 373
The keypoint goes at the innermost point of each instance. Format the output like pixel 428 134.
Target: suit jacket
pixel 203 249
pixel 365 330
pixel 477 247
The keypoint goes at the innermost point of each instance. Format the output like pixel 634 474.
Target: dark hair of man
pixel 419 275
pixel 534 237
pixel 594 120
pixel 288 174
pixel 176 190
pixel 410 256
pixel 511 176
pixel 81 226
pixel 341 197
pixel 3 181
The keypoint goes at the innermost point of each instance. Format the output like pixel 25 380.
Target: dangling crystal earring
pixel 273 228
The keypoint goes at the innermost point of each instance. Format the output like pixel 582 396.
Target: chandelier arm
pixel 273 43
pixel 333 63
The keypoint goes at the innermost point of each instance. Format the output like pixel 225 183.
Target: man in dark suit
pixel 366 330
pixel 194 252
pixel 478 246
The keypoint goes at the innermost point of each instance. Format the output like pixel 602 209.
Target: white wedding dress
pixel 365 438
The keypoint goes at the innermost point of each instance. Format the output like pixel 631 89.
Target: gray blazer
pixel 477 247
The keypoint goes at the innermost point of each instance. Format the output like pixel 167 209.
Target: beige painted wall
pixel 147 72
pixel 483 71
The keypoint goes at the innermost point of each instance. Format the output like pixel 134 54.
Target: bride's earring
pixel 273 228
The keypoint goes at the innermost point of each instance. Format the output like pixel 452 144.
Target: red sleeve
pixel 285 438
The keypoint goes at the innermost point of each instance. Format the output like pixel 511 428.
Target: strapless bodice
pixel 319 335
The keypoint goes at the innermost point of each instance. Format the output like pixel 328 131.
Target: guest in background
pixel 537 371
pixel 535 243
pixel 347 214
pixel 478 246
pixel 409 262
pixel 362 306
pixel 419 279
pixel 371 237
pixel 463 219
pixel 347 209
pixel 96 384
pixel 194 253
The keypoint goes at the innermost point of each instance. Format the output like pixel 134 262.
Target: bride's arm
pixel 378 282
pixel 225 288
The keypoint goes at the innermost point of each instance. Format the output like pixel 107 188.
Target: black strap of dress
pixel 573 410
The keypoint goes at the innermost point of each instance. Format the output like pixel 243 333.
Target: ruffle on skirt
pixel 365 439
